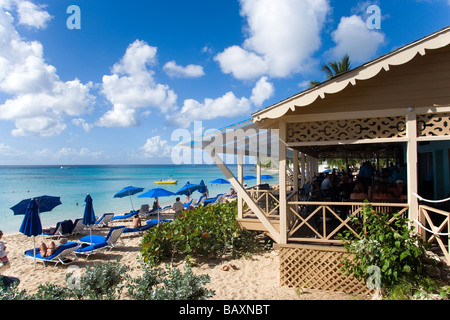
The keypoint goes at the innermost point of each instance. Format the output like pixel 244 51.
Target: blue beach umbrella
pixel 44 204
pixel 89 215
pixel 157 193
pixel 220 181
pixel 266 177
pixel 128 191
pixel 31 224
pixel 188 189
pixel 249 178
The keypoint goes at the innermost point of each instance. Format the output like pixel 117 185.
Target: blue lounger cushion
pixel 58 251
pixel 144 228
pixel 95 239
pixel 92 247
pixel 154 222
pixel 125 216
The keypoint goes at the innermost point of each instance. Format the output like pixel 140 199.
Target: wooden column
pixel 296 172
pixel 258 172
pixel 303 159
pixel 240 179
pixel 283 202
pixel 411 157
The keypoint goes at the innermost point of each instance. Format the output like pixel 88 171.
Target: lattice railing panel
pixel 317 269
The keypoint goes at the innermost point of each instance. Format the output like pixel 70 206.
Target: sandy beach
pixel 255 278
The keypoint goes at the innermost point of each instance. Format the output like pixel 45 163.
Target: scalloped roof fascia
pixel 366 71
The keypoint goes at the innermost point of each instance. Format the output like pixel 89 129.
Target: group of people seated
pixel 384 185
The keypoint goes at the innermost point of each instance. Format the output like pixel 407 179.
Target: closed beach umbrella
pixel 89 215
pixel 31 224
pixel 128 191
pixel 157 193
pixel 203 188
pixel 220 181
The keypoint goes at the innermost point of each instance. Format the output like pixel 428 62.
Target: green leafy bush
pixel 170 284
pixel 207 231
pixel 106 281
pixel 393 248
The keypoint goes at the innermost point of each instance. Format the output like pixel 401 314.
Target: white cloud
pixel 281 37
pixel 132 87
pixel 79 122
pixel 38 100
pixel 227 106
pixel 190 71
pixel 156 147
pixel 352 37
pixel 262 91
pixel 32 15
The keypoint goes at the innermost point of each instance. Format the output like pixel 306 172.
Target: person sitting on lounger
pixel 137 222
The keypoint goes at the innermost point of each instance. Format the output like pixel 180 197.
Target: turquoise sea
pixel 73 183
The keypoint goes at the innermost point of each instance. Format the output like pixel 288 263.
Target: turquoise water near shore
pixel 73 183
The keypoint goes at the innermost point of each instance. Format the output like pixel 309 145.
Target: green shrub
pixel 394 248
pixel 207 231
pixel 173 284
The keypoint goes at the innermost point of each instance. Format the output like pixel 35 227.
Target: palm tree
pixel 333 69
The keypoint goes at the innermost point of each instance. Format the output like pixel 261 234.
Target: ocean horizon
pixel 73 182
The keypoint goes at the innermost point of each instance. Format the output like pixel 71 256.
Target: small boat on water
pixel 169 181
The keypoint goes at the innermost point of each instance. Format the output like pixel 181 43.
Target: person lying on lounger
pixel 47 251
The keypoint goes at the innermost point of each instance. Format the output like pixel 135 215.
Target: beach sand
pixel 255 278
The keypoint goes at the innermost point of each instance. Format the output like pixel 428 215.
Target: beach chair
pixel 134 231
pixel 91 244
pixel 63 228
pixel 200 202
pixel 104 220
pixel 126 216
pixel 78 226
pixel 186 205
pixel 214 200
pixel 145 208
pixel 63 254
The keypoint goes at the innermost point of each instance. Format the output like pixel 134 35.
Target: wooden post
pixel 282 182
pixel 240 179
pixel 296 172
pixel 303 169
pixel 258 172
pixel 411 157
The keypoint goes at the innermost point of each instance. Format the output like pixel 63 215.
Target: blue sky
pixel 115 90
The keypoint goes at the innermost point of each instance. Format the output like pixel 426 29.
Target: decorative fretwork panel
pixel 432 125
pixel 317 269
pixel 345 130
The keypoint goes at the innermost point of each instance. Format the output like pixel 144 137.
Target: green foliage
pixel 392 247
pixel 102 282
pixel 207 231
pixel 107 280
pixel 169 284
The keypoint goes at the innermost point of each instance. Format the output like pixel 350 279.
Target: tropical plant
pixel 386 243
pixel 208 231
pixel 334 68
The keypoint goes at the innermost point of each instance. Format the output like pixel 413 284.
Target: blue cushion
pixel 91 247
pixel 95 239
